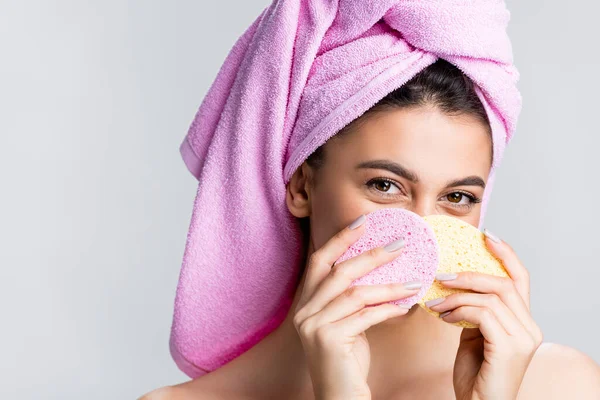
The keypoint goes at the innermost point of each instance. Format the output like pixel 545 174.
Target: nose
pixel 423 207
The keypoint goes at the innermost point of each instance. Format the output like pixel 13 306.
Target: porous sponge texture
pixel 462 248
pixel 417 261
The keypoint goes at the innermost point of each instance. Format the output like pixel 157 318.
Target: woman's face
pixel 419 159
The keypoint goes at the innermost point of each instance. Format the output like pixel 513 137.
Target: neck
pixel 402 348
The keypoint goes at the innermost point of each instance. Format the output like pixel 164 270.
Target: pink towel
pixel 301 72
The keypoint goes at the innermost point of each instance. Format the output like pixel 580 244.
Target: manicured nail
pixel 413 285
pixel 396 245
pixel 357 222
pixel 434 302
pixel 491 235
pixel 445 277
pixel 442 315
pixel 407 306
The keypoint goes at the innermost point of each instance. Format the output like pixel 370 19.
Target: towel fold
pixel 302 71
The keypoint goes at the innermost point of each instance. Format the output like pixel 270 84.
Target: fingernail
pixel 407 306
pixel 434 302
pixel 413 285
pixel 396 245
pixel 442 315
pixel 445 277
pixel 491 235
pixel 357 222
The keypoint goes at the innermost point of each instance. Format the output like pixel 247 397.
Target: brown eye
pixel 384 186
pixel 455 197
pixel 461 200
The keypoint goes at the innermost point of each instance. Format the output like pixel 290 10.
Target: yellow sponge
pixel 462 248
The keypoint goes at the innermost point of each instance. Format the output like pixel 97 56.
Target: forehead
pixel 424 139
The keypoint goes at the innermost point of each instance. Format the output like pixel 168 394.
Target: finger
pixel 487 323
pixel 515 268
pixel 499 285
pixel 363 319
pixel 343 274
pixel 503 314
pixel 360 296
pixel 322 259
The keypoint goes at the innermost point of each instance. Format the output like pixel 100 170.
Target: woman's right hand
pixel 331 318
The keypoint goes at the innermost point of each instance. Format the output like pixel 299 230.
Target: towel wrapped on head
pixel 301 72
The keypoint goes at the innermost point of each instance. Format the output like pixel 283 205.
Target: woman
pixel 435 128
pixel 427 146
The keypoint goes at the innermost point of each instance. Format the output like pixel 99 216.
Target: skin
pixel 412 355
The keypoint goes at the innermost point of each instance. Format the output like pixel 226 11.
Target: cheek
pixel 473 218
pixel 333 208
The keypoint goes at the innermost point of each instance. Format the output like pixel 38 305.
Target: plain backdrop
pixel 95 98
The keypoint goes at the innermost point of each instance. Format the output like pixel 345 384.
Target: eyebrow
pixel 404 172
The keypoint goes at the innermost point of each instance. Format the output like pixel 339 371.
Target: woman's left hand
pixel 492 359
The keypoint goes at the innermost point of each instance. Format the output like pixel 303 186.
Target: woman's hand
pixel 331 317
pixel 492 360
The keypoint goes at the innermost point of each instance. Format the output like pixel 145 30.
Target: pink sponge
pixel 417 261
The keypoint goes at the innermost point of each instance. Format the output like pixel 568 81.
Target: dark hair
pixel 441 84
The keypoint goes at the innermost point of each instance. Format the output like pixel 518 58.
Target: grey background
pixel 95 98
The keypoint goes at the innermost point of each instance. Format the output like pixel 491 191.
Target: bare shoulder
pixel 558 372
pixel 185 391
pixel 167 392
pixel 213 386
